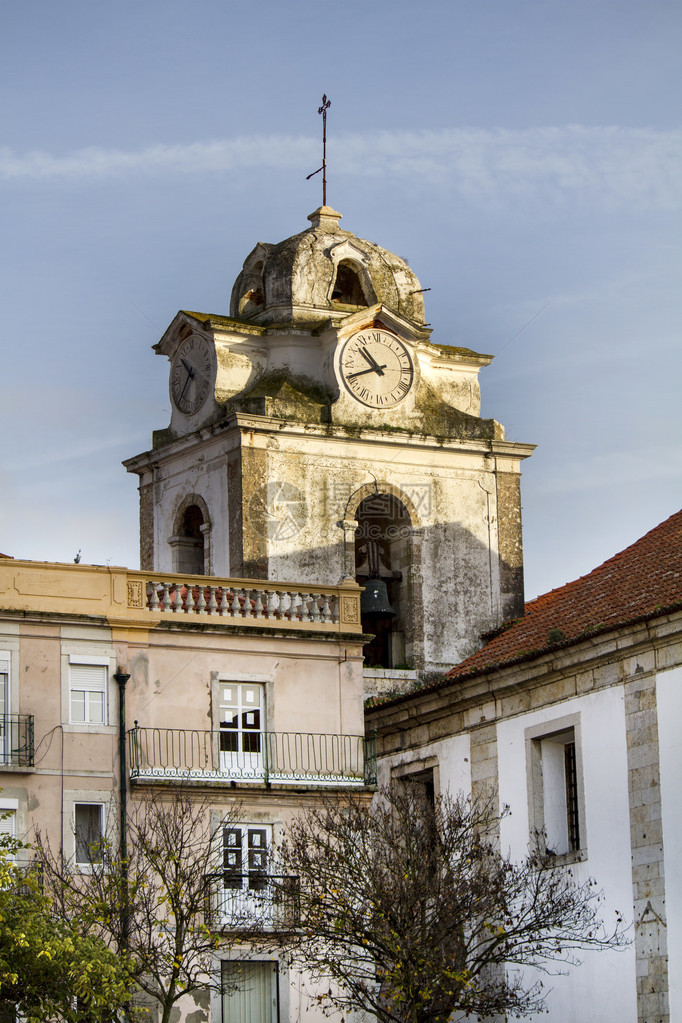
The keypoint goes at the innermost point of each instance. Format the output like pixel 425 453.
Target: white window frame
pixel 272 996
pixel 89 661
pixel 243 891
pixel 72 797
pixel 246 761
pixel 549 801
pixel 6 688
pixel 84 865
pixel 8 824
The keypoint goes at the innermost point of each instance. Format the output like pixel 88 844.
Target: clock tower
pixel 318 433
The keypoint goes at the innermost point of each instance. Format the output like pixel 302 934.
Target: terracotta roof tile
pixel 643 581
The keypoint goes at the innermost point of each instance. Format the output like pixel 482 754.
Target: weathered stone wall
pixel 510 544
pixel 146 526
pixel 646 838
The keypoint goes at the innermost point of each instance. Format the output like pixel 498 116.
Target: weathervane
pixel 326 103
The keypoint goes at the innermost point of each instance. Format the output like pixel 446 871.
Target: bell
pixel 374 601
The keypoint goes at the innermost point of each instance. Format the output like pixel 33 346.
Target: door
pixel 241 729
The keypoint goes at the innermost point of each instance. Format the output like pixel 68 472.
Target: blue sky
pixel 525 157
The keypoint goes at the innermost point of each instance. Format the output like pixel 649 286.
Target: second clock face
pixel 376 368
pixel 191 375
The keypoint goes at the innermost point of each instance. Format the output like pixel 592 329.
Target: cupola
pixel 320 274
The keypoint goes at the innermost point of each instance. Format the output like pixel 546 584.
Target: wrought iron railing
pixel 294 758
pixel 16 740
pixel 254 901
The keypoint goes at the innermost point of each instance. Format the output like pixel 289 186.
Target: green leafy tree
pixel 49 969
pixel 410 913
pixel 155 908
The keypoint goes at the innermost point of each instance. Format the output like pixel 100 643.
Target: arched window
pixel 188 542
pixel 348 288
pixel 382 563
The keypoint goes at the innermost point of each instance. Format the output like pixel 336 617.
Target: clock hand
pixel 182 392
pixel 187 366
pixel 372 369
pixel 373 363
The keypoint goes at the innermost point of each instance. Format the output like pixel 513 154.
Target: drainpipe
pixel 121 677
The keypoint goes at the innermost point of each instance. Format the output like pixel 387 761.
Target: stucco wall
pixel 669 699
pixel 604 757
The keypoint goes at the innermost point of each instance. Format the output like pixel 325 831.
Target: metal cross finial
pixel 326 103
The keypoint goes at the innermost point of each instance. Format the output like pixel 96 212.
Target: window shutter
pixel 88 677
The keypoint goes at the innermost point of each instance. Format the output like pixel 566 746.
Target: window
pixel 245 891
pixel 249 991
pixel 5 725
pixel 241 723
pixel 555 790
pixel 422 775
pixel 245 856
pixel 87 691
pixel 8 819
pixel 89 833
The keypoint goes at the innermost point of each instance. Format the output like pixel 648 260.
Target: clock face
pixel 376 368
pixel 191 375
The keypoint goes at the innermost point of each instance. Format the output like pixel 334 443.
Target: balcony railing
pixel 244 902
pixel 16 740
pixel 289 758
pixel 140 598
pixel 235 600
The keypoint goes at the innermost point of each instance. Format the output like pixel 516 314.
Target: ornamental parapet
pixel 129 598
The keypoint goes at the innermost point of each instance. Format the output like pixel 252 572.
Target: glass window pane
pixel 77 706
pixel 88 827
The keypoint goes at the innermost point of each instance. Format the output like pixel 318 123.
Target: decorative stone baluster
pixel 315 607
pixel 272 606
pixel 201 601
pixel 166 598
pixel 154 597
pixel 239 603
pixel 305 615
pixel 326 608
pixel 189 600
pixel 212 602
pixel 259 604
pixel 224 602
pixel 177 603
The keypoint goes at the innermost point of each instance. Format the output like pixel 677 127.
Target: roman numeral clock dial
pixel 376 368
pixel 191 375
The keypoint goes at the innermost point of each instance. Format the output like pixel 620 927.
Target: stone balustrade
pixel 143 599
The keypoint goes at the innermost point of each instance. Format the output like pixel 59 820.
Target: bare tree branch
pixel 409 912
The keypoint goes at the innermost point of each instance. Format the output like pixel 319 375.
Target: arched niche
pixel 190 542
pixel 384 548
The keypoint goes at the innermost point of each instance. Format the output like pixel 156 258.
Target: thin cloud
pixel 608 166
pixel 607 471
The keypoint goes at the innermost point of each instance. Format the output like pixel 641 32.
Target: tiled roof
pixel 643 581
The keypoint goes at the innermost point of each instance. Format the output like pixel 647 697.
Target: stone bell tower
pixel 318 433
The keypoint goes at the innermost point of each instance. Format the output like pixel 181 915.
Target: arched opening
pixel 253 291
pixel 382 565
pixel 188 542
pixel 348 288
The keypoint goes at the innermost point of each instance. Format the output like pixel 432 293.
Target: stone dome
pixel 320 274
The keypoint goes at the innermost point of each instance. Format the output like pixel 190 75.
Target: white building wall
pixel 452 756
pixel 669 701
pixel 604 756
